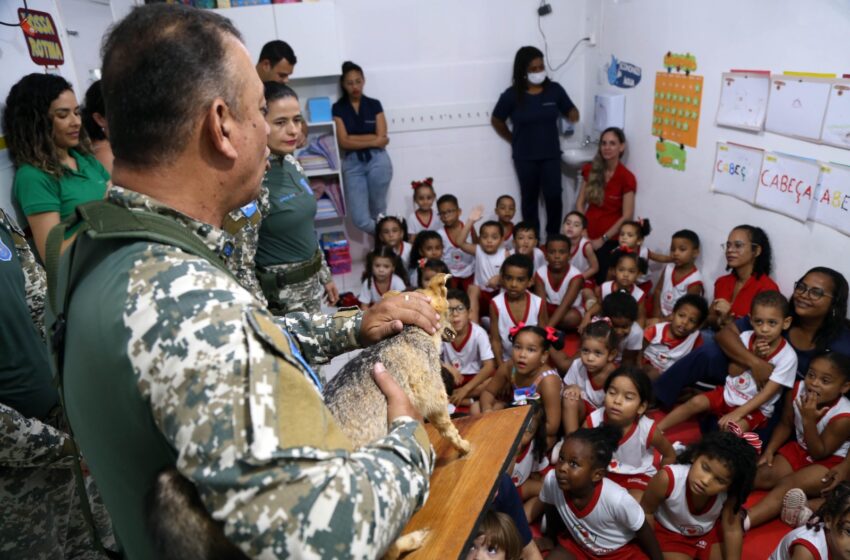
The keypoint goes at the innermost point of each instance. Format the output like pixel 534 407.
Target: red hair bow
pixel 551 334
pixel 428 182
pixel 625 249
pixel 750 437
pixel 519 326
pixel 422 262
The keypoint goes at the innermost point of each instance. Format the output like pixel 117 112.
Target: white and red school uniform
pixel 631 466
pixel 605 526
pixel 664 350
pixel 679 528
pixel 555 292
pixel 487 266
pixel 671 290
pixel 416 225
pixel 506 320
pixel 461 264
pixel 468 355
pixel 578 257
pixel 371 294
pixel 796 452
pixel 643 253
pixel 403 251
pixel 812 540
pixel 538 260
pixel 508 238
pixel 526 464
pixel 593 396
pixel 632 341
pixel 742 388
pixel 608 287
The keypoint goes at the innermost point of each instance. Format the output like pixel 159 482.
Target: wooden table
pixel 462 487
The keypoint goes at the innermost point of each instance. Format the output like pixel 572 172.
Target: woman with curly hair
pixel 55 169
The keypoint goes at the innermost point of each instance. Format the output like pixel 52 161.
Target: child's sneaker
pixel 795 512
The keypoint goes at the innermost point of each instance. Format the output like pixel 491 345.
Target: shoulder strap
pixel 105 221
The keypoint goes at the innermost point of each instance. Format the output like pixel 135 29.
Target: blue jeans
pixel 366 186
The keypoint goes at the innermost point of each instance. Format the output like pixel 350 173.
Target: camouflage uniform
pixel 244 225
pixel 230 401
pixel 39 506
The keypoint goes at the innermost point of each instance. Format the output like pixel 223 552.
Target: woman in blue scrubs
pixel 533 104
pixel 362 134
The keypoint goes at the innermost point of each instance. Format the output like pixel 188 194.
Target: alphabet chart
pixel 832 202
pixel 787 184
pixel 676 107
pixel 836 123
pixel 736 170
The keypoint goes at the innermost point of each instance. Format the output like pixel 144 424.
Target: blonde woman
pixel 607 197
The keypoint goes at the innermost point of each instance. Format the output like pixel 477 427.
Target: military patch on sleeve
pixel 5 252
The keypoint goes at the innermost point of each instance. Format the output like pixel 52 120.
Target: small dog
pixel 412 357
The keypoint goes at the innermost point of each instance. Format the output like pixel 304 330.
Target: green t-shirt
pixel 287 233
pixel 26 378
pixel 37 191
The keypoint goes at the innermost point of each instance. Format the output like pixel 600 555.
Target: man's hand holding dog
pixel 398 403
pixel 388 317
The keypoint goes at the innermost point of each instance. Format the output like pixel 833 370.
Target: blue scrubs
pixel 536 148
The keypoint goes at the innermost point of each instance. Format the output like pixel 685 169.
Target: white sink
pixel 575 155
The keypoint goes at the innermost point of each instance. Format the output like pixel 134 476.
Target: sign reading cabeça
pixel 787 185
pixel 42 37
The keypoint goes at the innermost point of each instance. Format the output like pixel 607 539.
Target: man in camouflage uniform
pixel 170 362
pixel 39 507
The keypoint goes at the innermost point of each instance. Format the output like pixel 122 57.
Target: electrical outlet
pixel 544 10
pixel 591 40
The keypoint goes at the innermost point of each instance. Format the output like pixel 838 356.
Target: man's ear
pixel 219 126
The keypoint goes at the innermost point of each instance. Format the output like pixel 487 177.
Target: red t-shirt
pixel 725 285
pixel 600 218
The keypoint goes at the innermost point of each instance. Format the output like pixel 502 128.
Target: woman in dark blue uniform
pixel 533 104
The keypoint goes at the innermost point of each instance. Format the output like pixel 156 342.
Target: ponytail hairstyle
pixel 601 329
pixel 736 455
pixel 595 192
pixel 604 440
pixel 347 67
pixel 385 252
pixel 764 261
pixel 402 224
pixel 638 377
pixel 276 90
pixel 92 105
pixel 642 225
pixel 426 183
pixel 418 243
pixel 436 265
pixel 551 337
pixel 834 508
pixel 621 253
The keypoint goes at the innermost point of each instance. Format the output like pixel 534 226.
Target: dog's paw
pixel 463 446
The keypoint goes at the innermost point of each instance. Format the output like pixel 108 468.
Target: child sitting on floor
pixel 584 382
pixel 665 343
pixel 422 218
pixel 681 276
pixel 625 275
pixel 827 537
pixel 514 305
pixel 392 232
pixel 740 404
pixel 498 539
pixel 461 264
pixel 560 284
pixel 428 245
pixel 526 243
pixel 470 353
pixel 582 257
pixel 505 212
pixel 383 272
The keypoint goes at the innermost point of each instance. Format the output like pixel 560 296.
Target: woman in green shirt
pixel 290 266
pixel 55 169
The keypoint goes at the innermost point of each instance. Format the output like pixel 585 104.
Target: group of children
pixel 593 461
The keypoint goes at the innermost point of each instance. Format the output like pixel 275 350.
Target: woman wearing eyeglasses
pixel 818 323
pixel 748 256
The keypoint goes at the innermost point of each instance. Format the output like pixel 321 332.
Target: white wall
pixel 443 52
pixel 86 22
pixel 776 35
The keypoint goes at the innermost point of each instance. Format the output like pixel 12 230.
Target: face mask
pixel 536 78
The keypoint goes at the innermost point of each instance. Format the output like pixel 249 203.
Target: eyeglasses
pixel 812 292
pixel 736 246
pixel 458 309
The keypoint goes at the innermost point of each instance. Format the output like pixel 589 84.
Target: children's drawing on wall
pixel 743 100
pixel 623 74
pixel 836 123
pixel 676 109
pixel 797 105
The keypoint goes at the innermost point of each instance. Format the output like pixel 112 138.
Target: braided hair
pixel 736 455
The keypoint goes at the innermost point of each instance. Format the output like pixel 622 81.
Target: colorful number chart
pixel 676 107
